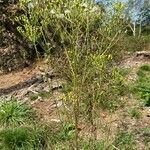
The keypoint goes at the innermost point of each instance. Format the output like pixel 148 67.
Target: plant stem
pixel 76 124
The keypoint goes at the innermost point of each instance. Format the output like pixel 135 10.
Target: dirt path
pixel 14 78
pixel 132 61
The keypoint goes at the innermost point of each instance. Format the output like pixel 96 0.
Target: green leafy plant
pixel 17 138
pixel 14 113
pixel 21 138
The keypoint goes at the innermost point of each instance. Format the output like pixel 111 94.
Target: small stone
pixel 59 104
pixel 55 120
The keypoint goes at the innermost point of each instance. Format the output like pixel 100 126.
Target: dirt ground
pixel 7 80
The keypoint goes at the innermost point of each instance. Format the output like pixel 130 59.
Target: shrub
pixel 84 38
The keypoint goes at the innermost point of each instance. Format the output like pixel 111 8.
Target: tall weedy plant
pixel 84 36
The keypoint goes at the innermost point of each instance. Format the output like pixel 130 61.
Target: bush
pixel 85 39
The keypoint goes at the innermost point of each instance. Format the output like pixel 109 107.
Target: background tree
pixel 132 11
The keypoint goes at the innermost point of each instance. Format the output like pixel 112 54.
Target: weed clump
pixel 14 113
pixel 22 138
pixel 19 129
pixel 135 113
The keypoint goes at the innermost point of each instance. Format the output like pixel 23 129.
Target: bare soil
pixel 15 77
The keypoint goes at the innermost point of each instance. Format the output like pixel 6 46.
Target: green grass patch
pixel 134 113
pixel 22 138
pixel 66 132
pixel 14 113
pixel 124 141
pixel 142 86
